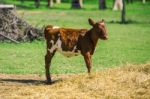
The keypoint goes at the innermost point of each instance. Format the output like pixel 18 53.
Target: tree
pixel 118 5
pixel 77 3
pixel 57 1
pixel 49 3
pixel 22 1
pixel 102 4
pixel 123 13
pixel 129 1
pixel 144 1
pixel 37 3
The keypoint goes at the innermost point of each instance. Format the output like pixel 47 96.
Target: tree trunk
pixel 123 13
pixel 57 1
pixel 129 1
pixel 77 3
pixel 102 4
pixel 22 1
pixel 49 3
pixel 144 1
pixel 37 3
pixel 118 5
pixel 113 2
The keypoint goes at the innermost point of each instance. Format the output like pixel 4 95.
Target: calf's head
pixel 99 28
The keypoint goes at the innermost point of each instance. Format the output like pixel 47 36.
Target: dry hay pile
pixel 15 28
pixel 128 82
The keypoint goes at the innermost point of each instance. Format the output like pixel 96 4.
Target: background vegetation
pixel 129 43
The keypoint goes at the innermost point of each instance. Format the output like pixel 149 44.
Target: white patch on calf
pixel 57 46
pixel 102 23
pixel 74 48
pixel 70 53
pixel 52 42
pixel 56 27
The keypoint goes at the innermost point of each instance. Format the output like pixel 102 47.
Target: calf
pixel 72 42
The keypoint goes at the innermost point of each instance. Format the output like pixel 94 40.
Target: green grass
pixel 128 43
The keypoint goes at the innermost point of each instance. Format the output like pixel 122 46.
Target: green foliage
pixel 128 43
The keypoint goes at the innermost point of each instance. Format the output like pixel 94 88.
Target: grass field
pixel 129 43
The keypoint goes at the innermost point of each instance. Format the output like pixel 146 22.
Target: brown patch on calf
pixel 50 33
pixel 70 36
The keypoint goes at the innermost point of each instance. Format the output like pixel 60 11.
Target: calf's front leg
pixel 88 61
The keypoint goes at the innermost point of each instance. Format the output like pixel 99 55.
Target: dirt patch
pixel 127 82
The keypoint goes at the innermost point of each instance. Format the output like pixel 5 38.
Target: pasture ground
pixel 22 65
pixel 127 82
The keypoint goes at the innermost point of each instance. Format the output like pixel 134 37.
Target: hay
pixel 127 82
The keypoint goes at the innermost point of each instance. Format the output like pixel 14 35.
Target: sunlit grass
pixel 129 43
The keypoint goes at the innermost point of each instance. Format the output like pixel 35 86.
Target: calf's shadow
pixel 28 81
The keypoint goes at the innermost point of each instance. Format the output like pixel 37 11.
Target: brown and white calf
pixel 71 42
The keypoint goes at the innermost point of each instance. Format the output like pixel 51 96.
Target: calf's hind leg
pixel 48 58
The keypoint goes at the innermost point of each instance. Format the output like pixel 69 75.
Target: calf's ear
pixel 91 22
